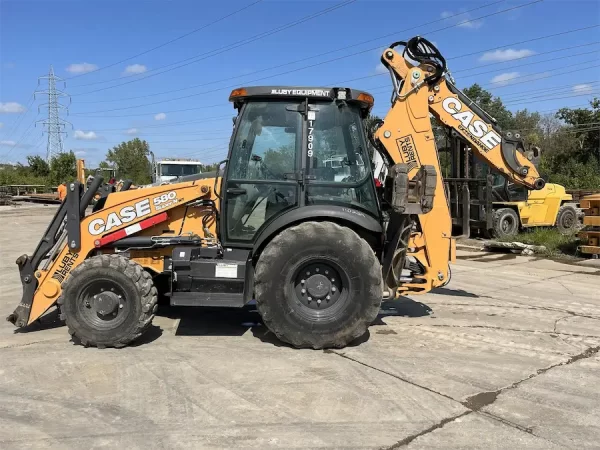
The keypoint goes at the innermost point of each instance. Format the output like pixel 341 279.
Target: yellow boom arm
pixel 407 137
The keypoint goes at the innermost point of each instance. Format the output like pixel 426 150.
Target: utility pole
pixel 55 126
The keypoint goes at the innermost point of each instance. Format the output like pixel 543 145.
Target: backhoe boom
pixel 406 137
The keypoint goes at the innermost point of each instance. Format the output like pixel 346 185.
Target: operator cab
pixel 295 147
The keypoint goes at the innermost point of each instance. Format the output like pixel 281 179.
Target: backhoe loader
pixel 293 220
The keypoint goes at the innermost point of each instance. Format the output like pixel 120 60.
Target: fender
pixel 317 212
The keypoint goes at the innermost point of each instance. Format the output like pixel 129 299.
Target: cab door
pixel 336 162
pixel 261 179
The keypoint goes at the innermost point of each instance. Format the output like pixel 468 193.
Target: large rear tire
pixel 318 285
pixel 108 301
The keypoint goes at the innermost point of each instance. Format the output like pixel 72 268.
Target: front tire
pixel 506 223
pixel 108 301
pixel 318 285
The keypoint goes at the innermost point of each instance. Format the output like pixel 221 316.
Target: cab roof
pixel 244 94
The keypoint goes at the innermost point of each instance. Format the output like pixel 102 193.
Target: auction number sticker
pixel 311 137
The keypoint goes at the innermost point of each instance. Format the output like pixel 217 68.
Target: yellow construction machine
pixel 293 219
pixel 485 201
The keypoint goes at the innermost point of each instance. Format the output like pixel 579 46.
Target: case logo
pixel 479 130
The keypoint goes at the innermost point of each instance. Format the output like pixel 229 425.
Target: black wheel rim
pixel 103 305
pixel 320 288
pixel 568 220
pixel 508 224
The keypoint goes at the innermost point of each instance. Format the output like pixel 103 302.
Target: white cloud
pixel 80 152
pixel 11 108
pixel 135 69
pixel 81 135
pixel 82 68
pixel 505 78
pixel 160 116
pixel 473 24
pixel 11 143
pixel 380 68
pixel 462 20
pixel 583 88
pixel 1 125
pixel 506 55
pixel 132 131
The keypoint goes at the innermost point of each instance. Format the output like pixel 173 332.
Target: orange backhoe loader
pixel 294 220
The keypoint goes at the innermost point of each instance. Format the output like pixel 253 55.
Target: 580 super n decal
pixel 131 213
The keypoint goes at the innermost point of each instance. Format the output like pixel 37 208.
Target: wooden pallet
pixel 591 222
pixel 579 194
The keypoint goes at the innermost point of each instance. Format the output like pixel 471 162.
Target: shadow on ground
pixel 454 292
pixel 48 321
pixel 405 307
pixel 236 322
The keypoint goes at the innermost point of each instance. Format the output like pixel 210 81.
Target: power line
pixel 225 116
pixel 282 73
pixel 549 89
pixel 530 64
pixel 338 58
pixel 197 133
pixel 476 67
pixel 386 86
pixel 232 46
pixel 165 43
pixel 204 119
pixel 20 117
pixel 551 92
pixel 18 143
pixel 550 98
pixel 307 58
pixel 146 113
pixel 543 75
pixel 529 56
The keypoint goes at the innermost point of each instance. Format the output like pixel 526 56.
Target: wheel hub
pixel 568 220
pixel 103 304
pixel 106 303
pixel 318 285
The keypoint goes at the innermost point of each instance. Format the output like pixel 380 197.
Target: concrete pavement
pixel 505 356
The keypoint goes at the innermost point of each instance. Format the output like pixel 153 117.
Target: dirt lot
pixel 506 356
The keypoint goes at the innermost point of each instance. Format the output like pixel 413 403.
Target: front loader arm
pixel 71 236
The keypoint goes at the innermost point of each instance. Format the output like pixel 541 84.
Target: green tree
pixel 131 160
pixel 493 106
pixel 209 167
pixel 38 166
pixel 277 162
pixel 583 127
pixel 63 168
pixel 529 126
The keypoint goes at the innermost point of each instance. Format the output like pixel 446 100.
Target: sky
pixel 162 70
